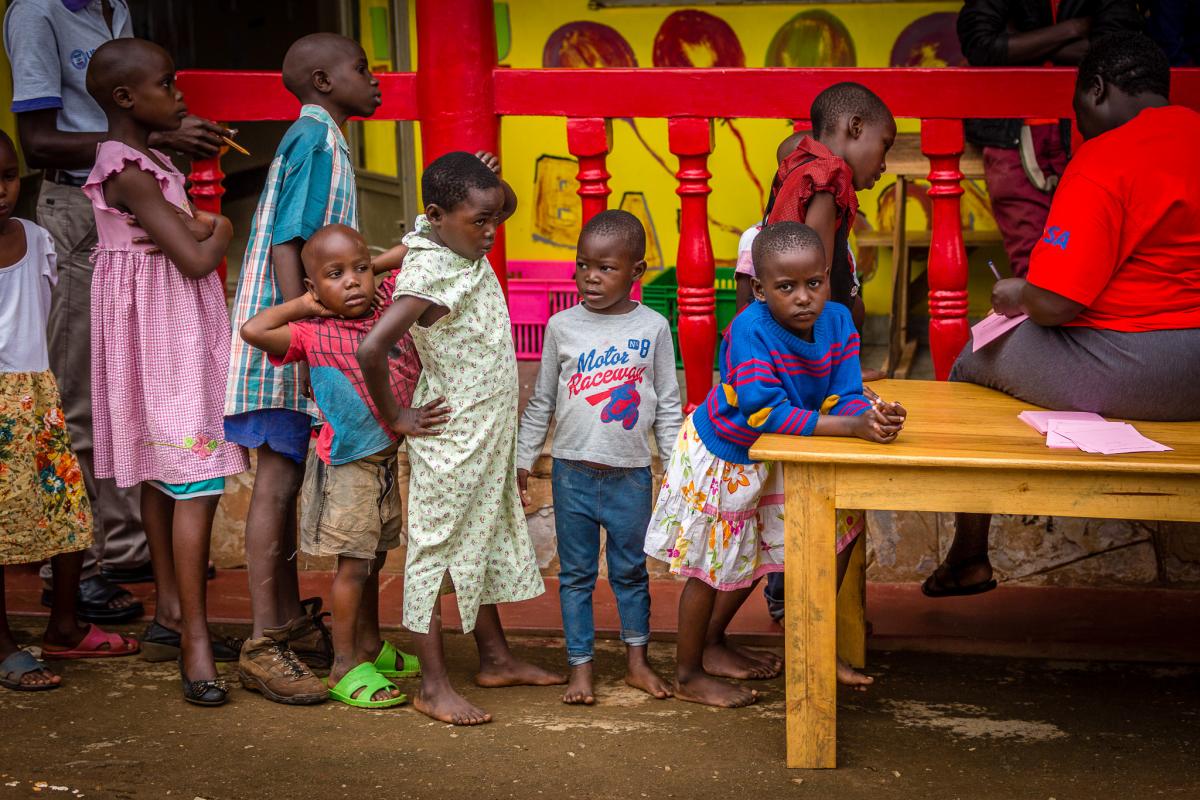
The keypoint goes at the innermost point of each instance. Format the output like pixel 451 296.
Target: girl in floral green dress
pixel 466 526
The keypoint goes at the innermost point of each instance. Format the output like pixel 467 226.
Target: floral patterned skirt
pixel 723 522
pixel 44 507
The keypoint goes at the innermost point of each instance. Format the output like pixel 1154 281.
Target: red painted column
pixel 942 143
pixel 206 190
pixel 456 53
pixel 589 139
pixel 691 140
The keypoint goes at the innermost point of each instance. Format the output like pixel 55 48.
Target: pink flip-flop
pixel 96 644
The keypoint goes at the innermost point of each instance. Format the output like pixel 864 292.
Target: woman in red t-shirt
pixel 1113 291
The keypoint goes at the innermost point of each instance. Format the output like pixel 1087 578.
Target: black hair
pixel 1132 62
pixel 313 52
pixel 846 99
pixel 624 226
pixel 6 139
pixel 450 178
pixel 782 237
pixel 118 62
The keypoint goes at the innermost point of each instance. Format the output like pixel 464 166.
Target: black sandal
pixel 935 586
pixel 160 643
pixel 93 599
pixel 213 692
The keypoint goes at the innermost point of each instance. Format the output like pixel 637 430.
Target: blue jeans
pixel 773 591
pixel 621 500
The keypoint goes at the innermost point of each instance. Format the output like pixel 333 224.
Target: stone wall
pixel 902 546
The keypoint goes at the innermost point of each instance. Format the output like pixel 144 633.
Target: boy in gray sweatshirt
pixel 608 379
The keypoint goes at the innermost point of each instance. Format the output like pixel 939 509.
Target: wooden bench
pixel 963 449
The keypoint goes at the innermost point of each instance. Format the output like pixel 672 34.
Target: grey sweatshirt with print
pixel 607 380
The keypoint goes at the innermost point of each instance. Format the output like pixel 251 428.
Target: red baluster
pixel 206 191
pixel 589 139
pixel 456 56
pixel 942 143
pixel 691 140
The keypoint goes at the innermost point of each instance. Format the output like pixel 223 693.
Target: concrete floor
pixel 934 726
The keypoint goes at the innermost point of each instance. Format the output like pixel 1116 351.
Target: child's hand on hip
pixel 523 485
pixel 424 421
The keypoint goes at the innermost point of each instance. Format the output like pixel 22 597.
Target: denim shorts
pixel 285 431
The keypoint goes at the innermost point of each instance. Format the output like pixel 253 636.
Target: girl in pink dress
pixel 160 341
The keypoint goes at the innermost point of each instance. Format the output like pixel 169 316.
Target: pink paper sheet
pixel 1039 420
pixel 1107 438
pixel 991 327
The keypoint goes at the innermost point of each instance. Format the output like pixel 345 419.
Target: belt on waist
pixel 63 178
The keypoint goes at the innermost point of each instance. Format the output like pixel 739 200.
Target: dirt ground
pixel 933 726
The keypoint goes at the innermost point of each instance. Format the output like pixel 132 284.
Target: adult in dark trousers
pixel 1023 159
pixel 49 43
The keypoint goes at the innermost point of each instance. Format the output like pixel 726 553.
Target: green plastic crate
pixel 661 295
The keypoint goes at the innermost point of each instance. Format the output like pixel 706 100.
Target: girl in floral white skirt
pixel 789 365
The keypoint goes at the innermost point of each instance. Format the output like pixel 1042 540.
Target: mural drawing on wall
pixel 814 38
pixel 570 34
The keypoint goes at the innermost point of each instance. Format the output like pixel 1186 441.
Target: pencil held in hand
pixel 241 149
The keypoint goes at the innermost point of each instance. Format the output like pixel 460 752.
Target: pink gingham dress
pixel 160 347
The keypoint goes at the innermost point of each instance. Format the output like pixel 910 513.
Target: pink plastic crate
pixel 537 290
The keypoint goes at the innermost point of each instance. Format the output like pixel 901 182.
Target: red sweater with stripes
pixel 772 381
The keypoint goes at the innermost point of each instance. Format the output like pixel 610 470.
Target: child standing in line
pixel 351 504
pixel 608 380
pixel 789 365
pixel 159 350
pixel 310 184
pixel 465 520
pixel 44 509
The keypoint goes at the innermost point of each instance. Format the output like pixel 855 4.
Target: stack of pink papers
pixel 1040 420
pixel 992 327
pixel 1089 432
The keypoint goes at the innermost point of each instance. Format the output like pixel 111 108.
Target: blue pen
pixel 992 267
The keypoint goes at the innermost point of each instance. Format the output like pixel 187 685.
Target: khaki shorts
pixel 351 509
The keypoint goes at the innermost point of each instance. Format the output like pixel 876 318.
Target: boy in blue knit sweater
pixel 789 365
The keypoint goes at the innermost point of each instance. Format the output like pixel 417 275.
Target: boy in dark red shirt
pixel 816 185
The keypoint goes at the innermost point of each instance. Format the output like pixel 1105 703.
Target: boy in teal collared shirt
pixel 310 185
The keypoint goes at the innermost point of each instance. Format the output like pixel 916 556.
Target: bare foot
pixel 515 672
pixel 640 675
pixel 339 670
pixel 579 687
pixel 709 691
pixel 446 705
pixel 761 656
pixel 848 676
pixel 724 662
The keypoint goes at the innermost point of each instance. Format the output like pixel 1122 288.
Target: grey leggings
pixel 1151 375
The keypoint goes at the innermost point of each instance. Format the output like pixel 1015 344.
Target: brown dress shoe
pixel 267 666
pixel 309 638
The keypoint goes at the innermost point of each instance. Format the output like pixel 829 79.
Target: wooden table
pixel 963 449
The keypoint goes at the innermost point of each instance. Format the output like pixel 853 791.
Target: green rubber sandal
pixel 393 663
pixel 364 678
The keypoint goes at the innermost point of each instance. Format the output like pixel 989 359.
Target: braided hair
pixel 1129 61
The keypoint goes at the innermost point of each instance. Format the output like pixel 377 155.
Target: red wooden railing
pixel 459 96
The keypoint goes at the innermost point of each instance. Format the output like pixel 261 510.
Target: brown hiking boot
pixel 267 666
pixel 309 638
